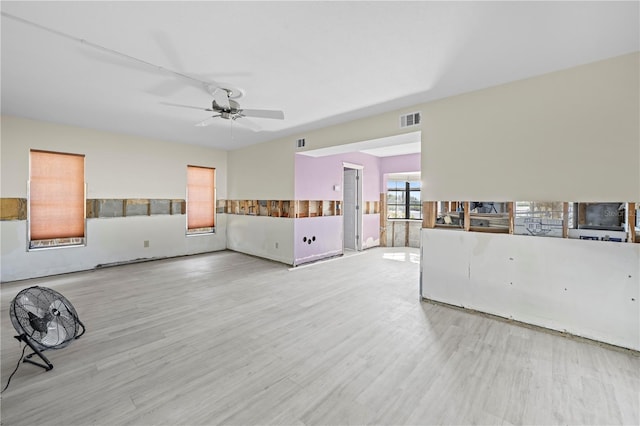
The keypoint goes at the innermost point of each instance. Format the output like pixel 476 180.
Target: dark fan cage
pixel 44 319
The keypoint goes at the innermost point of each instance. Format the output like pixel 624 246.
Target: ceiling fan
pixel 225 106
pixel 224 95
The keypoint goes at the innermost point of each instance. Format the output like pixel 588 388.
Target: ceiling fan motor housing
pixel 233 106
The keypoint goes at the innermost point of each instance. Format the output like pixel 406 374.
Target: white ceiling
pixel 320 62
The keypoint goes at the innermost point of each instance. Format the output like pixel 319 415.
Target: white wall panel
pixel 109 241
pixel 259 235
pixel 587 288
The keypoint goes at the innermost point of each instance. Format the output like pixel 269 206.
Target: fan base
pixel 47 364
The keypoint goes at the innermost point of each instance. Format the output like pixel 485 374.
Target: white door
pixel 351 209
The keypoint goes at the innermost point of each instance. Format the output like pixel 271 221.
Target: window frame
pixel 406 205
pixel 206 230
pixel 56 242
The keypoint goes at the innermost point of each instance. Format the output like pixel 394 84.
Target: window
pixel 56 210
pixel 546 210
pixel 403 198
pixel 200 200
pixel 540 218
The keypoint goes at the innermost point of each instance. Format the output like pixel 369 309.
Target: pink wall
pixel 398 164
pixel 317 238
pixel 315 179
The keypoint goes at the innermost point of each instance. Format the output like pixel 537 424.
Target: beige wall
pixel 571 135
pixel 116 166
pixel 262 172
pixel 266 171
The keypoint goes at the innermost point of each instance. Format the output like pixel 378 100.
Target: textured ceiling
pixel 320 62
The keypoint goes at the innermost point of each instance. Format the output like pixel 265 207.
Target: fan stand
pixel 47 366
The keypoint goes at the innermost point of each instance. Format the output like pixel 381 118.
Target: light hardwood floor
pixel 225 338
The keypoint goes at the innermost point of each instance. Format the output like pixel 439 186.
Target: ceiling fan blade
pixel 167 47
pixel 263 113
pixel 186 106
pixel 248 124
pixel 167 88
pixel 205 85
pixel 205 123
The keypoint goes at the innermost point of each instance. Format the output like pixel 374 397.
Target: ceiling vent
pixel 300 143
pixel 409 120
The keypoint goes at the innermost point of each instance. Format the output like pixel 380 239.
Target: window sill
pixel 200 232
pixel 56 243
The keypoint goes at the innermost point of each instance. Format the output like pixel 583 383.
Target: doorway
pixel 352 213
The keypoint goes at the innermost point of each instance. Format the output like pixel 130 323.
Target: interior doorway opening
pixel 352 210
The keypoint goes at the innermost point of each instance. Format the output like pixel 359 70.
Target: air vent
pixel 408 120
pixel 301 143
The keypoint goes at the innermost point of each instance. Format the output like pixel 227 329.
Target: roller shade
pixel 200 197
pixel 56 195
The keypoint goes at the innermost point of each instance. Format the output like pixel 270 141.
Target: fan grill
pixel 45 316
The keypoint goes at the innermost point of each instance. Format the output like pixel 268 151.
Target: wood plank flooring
pixel 226 338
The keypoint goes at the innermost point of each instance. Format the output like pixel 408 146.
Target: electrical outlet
pixel 146 243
